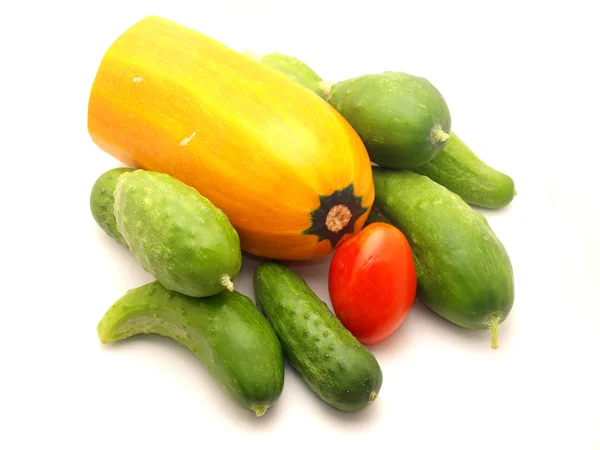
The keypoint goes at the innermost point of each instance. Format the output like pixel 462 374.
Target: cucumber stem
pixel 438 134
pixel 325 87
pixel 260 410
pixel 372 396
pixel 494 330
pixel 226 281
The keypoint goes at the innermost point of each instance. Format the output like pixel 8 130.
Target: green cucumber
pixel 226 332
pixel 292 68
pixel 402 119
pixel 330 360
pixel 102 202
pixel 177 235
pixel 376 216
pixel 464 272
pixel 465 174
pixel 457 167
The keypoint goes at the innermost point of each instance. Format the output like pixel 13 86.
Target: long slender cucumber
pixel 464 272
pixel 459 169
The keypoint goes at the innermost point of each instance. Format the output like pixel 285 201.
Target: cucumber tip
pixel 226 282
pixel 372 396
pixel 438 134
pixel 260 410
pixel 325 87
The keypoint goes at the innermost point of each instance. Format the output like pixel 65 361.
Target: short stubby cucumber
pixel 403 119
pixel 338 368
pixel 464 272
pixel 459 169
pixel 102 202
pixel 226 332
pixel 178 235
pixel 291 67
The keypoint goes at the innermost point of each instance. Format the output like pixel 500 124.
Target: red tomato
pixel 373 282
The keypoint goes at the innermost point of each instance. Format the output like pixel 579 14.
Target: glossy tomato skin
pixel 373 282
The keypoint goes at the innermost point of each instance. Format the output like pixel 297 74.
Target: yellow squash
pixel 287 169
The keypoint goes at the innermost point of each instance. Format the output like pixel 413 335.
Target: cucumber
pixel 102 202
pixel 376 216
pixel 465 174
pixel 226 332
pixel 291 67
pixel 328 358
pixel 402 119
pixel 176 234
pixel 464 273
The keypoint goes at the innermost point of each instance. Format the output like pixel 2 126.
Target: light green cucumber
pixel 459 169
pixel 226 332
pixel 102 202
pixel 402 119
pixel 177 235
pixel 332 362
pixel 464 272
pixel 291 67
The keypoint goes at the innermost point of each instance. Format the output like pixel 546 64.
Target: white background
pixel 521 79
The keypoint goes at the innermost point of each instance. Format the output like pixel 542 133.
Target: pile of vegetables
pixel 229 153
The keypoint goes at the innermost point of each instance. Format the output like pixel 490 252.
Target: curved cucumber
pixel 178 236
pixel 226 332
pixel 102 202
pixel 465 174
pixel 464 272
pixel 291 67
pixel 338 368
pixel 403 119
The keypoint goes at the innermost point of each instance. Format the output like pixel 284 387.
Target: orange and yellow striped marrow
pixel 291 174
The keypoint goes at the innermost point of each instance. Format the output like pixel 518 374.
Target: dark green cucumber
pixel 102 202
pixel 338 368
pixel 291 67
pixel 402 119
pixel 457 167
pixel 226 332
pixel 376 216
pixel 465 174
pixel 176 234
pixel 464 272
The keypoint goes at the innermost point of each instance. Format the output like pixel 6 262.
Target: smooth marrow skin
pixel 293 68
pixel 464 273
pixel 459 169
pixel 226 332
pixel 402 119
pixel 338 368
pixel 102 202
pixel 259 146
pixel 177 235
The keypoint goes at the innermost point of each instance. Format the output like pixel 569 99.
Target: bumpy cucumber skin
pixel 465 174
pixel 295 69
pixel 102 202
pixel 177 235
pixel 396 115
pixel 226 332
pixel 338 368
pixel 463 270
